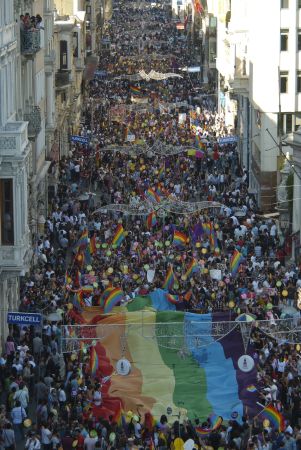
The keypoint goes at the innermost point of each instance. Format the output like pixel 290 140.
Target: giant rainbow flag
pixel 199 375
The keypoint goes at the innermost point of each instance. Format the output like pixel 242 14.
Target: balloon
pixel 198 244
pixel 69 306
pixel 167 243
pixel 278 283
pixel 104 245
pixel 183 278
pixel 109 253
pixel 97 245
pixel 110 270
pixel 27 423
pixel 146 266
pixel 231 304
pixel 284 293
pixel 216 227
pixel 89 268
pixel 95 285
pixel 204 251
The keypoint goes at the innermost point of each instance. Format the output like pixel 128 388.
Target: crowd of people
pixel 51 401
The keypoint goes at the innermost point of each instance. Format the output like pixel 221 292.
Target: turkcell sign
pixel 24 318
pixel 80 139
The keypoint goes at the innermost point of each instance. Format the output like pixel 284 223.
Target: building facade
pixel 259 91
pixel 15 168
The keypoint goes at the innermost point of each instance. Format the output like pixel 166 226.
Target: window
pixel 63 55
pixel 284 40
pixel 283 82
pixel 289 122
pixel 299 3
pixel 6 212
pixel 297 121
pixel 284 4
pixel 299 40
pixel 298 82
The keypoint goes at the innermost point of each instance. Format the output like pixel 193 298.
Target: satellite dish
pixel 123 367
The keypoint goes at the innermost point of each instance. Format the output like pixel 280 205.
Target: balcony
pixel 62 79
pixel 30 42
pixel 240 79
pixel 14 139
pixel 33 117
pixel 16 258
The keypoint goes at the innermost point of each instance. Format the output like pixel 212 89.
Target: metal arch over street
pixel 145 207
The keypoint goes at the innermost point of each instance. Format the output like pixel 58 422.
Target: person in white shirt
pixel 22 396
pixel 32 442
pixel 46 437
pixel 90 442
pixel 18 415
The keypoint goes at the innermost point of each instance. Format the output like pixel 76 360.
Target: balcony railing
pixel 30 42
pixel 33 117
pixel 14 139
pixel 62 79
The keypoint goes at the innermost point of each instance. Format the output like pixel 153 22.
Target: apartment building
pixel 15 167
pixel 258 49
pixel 70 44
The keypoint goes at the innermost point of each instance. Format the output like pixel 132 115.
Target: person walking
pixel 18 415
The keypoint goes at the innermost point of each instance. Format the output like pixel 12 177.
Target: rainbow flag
pixel 199 144
pixel 179 239
pixel 67 279
pixel 160 191
pixel 93 361
pixel 105 295
pixel 174 299
pixel 215 421
pixel 161 173
pixel 119 235
pixel 92 244
pixel 169 279
pixel 192 268
pixel 76 301
pixel 197 153
pixel 87 289
pixel 82 241
pixel 206 227
pixel 213 238
pixel 151 220
pixel 114 297
pixel 251 388
pixel 202 432
pixel 152 195
pixel 135 90
pixel 274 416
pixel 235 262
